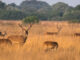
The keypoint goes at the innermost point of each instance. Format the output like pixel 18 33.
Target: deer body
pixel 52 33
pixel 20 39
pixel 2 34
pixel 77 34
pixel 5 43
pixel 50 45
pixel 55 33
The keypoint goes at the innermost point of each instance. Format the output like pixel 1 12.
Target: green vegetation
pixel 11 15
pixel 42 10
pixel 2 5
pixel 31 20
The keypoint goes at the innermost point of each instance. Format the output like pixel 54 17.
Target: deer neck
pixel 25 39
pixel 59 31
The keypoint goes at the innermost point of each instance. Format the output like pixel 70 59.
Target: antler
pixel 21 26
pixel 59 27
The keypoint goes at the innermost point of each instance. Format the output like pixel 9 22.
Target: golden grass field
pixel 69 44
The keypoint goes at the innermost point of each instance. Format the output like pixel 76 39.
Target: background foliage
pixel 42 10
pixel 31 20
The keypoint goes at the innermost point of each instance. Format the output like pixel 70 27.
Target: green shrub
pixel 31 20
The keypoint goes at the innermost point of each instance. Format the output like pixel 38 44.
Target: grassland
pixel 69 44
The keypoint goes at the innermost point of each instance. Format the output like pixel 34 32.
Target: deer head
pixel 59 27
pixel 24 28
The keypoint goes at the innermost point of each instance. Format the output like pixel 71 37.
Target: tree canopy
pixel 31 20
pixel 40 9
pixel 2 5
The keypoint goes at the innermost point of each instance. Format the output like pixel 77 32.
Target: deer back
pixel 5 42
pixel 17 38
pixel 50 43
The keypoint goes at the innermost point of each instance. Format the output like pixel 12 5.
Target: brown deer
pixel 77 34
pixel 24 29
pixel 50 45
pixel 55 33
pixel 3 34
pixel 5 43
pixel 20 39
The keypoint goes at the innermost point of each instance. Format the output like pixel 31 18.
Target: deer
pixel 3 34
pixel 5 43
pixel 20 39
pixel 50 45
pixel 77 34
pixel 24 29
pixel 55 33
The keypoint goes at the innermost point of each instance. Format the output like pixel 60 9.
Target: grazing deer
pixel 3 34
pixel 50 45
pixel 77 34
pixel 55 33
pixel 5 43
pixel 20 39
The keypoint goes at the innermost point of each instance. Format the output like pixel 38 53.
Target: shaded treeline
pixel 58 11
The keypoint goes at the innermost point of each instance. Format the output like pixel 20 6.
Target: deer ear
pixel 20 25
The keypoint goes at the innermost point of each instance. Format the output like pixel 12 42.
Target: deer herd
pixel 21 39
pixel 13 39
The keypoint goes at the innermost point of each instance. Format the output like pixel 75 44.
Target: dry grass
pixel 69 45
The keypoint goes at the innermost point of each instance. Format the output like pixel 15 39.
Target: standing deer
pixel 5 43
pixel 50 45
pixel 3 34
pixel 55 33
pixel 77 34
pixel 20 39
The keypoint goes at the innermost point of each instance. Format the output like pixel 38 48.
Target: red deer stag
pixel 20 39
pixel 77 34
pixel 55 33
pixel 50 45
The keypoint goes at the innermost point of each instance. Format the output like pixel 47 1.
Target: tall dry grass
pixel 69 45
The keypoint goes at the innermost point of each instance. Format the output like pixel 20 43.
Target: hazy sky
pixel 70 2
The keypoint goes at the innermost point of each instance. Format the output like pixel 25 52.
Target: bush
pixel 31 20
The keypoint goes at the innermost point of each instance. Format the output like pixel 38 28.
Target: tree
pixel 2 5
pixel 31 6
pixel 12 15
pixel 30 20
pixel 77 7
pixel 59 9
pixel 12 4
pixel 74 14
